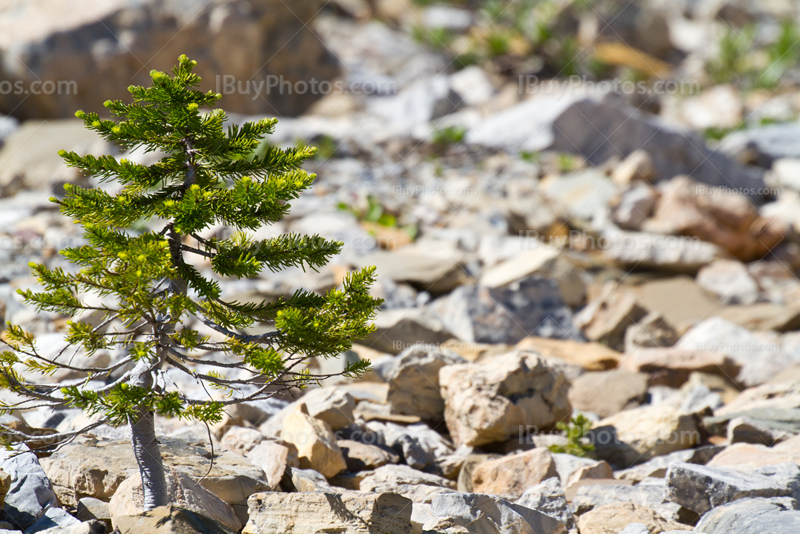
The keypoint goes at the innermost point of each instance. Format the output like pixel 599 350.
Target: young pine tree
pixel 151 291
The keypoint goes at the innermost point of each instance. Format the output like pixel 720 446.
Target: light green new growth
pixel 150 290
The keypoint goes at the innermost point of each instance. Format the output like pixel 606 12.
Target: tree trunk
pixel 148 456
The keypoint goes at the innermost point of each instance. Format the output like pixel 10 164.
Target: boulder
pixel 531 306
pixel 503 397
pixel 240 50
pixel 310 513
pixel 304 481
pixel 589 497
pixel 657 467
pixel 414 381
pixel 753 516
pixel 749 456
pixel 55 519
pixel 612 518
pixel 758 359
pixel 420 446
pixel 478 514
pixel 701 488
pixel 90 509
pixel 332 405
pixel 97 469
pixel 608 392
pixel 549 499
pixel 241 440
pixel 30 492
pixel 750 430
pixel 170 519
pixel 184 492
pixel 599 130
pixel 315 442
pixel 402 479
pixel 510 476
pixel 273 458
pixel 673 366
pixel 637 435
pixel 432 267
pixel 361 456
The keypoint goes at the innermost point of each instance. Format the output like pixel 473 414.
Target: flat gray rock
pixel 753 516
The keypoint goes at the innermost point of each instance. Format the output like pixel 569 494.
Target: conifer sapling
pixel 151 292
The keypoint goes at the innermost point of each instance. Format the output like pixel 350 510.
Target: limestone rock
pixel 361 456
pixel 605 319
pixel 241 440
pixel 414 381
pixel 310 513
pixel 273 458
pixel 658 251
pixel 30 492
pixel 184 492
pixel 730 281
pixel 396 330
pixel 170 519
pixel 753 516
pixel 701 488
pixel 402 479
pixel 510 476
pixel 640 434
pixel 315 442
pixel 549 499
pixel 653 330
pixel 491 402
pixel 612 518
pixel 591 356
pixel 608 392
pixel 673 366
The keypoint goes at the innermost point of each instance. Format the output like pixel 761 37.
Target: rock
pixel 406 481
pixel 332 405
pixel 472 85
pixel 763 145
pixel 241 440
pixel 764 316
pixel 30 492
pixel 635 528
pixel 758 360
pixel 590 356
pixel 304 481
pixel 748 457
pixel 491 402
pixel 96 470
pixel 55 519
pixel 718 107
pixel 511 475
pixel 635 206
pixel 562 123
pixel 701 488
pixel 309 513
pixel 752 516
pixel 567 465
pixel 476 513
pixel 396 330
pixel 532 306
pixel 360 456
pixel 170 519
pixel 637 435
pixel 656 251
pixel 605 319
pixel 608 392
pixel 720 216
pixel 435 267
pixel 414 381
pixel 637 166
pixel 596 471
pixel 549 499
pixel 657 467
pixel 730 281
pixel 416 105
pixel 315 442
pixel 612 518
pixel 421 447
pixel 184 492
pixel 748 430
pixel 5 485
pixel 785 172
pixel 589 497
pixel 272 458
pixel 241 43
pixel 90 509
pixel 653 330
pixel 581 193
pixel 672 366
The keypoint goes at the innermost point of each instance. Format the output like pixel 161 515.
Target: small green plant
pixel 733 61
pixel 436 38
pixel 445 137
pixel 782 55
pixel 575 432
pixel 325 147
pixel 566 162
pixel 529 156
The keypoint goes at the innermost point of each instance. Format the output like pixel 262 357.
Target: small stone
pixel 653 330
pixel 511 475
pixel 605 319
pixel 638 166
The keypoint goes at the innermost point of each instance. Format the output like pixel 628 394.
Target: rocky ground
pixel 591 304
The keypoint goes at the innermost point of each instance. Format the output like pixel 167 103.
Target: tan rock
pixel 591 356
pixel 169 519
pixel 315 442
pixel 640 434
pixel 183 491
pixel 672 367
pixel 241 440
pixel 404 480
pixel 608 392
pixel 361 456
pixel 599 471
pixel 312 513
pixel 493 401
pixel 605 319
pixel 511 475
pixel 748 456
pixel 638 166
pixel 613 518
pixel 273 458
